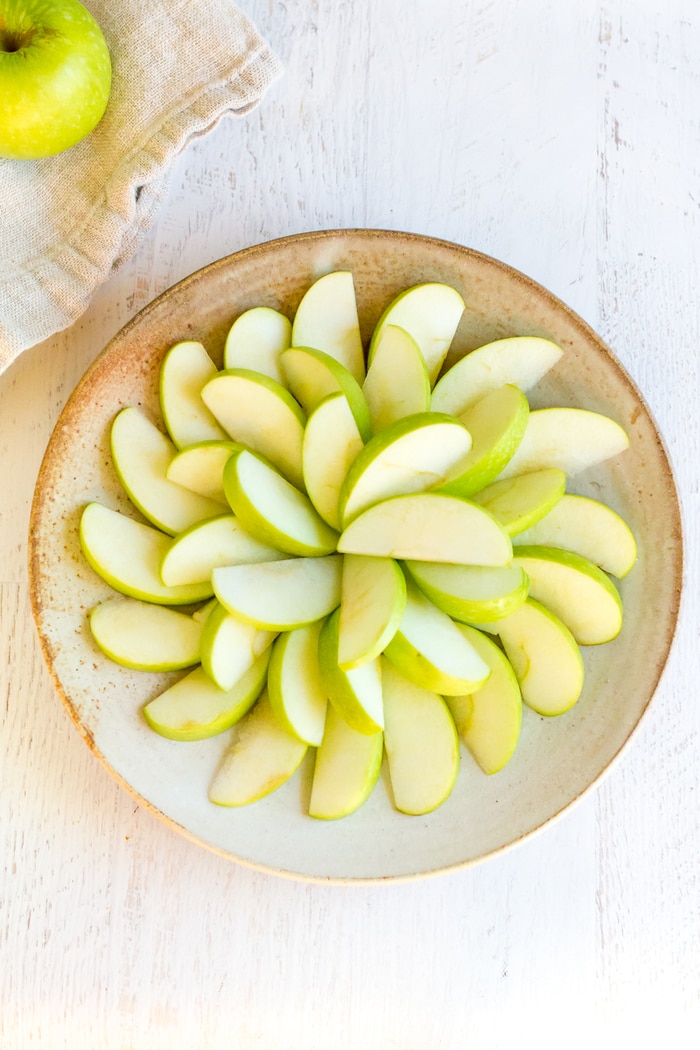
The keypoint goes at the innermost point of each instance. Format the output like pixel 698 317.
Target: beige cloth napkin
pixel 67 221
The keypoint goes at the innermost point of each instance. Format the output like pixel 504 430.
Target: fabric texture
pixel 67 221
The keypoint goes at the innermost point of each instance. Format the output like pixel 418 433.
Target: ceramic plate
pixel 556 761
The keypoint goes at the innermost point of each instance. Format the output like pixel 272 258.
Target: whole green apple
pixel 55 76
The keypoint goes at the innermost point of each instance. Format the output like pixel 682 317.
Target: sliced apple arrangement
pixel 359 558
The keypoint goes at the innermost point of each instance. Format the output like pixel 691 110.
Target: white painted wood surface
pixel 564 138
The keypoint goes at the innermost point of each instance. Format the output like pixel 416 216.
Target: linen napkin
pixel 67 221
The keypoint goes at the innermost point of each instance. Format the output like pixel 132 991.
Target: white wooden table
pixel 563 138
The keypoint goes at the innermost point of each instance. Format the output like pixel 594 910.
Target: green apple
pixel 430 313
pixel 295 685
pixel 312 375
pixel 346 769
pixel 55 76
pixel 200 468
pixel 421 741
pixel 372 603
pixel 411 455
pixel 194 553
pixel 262 756
pixel 520 360
pixel 397 382
pixel 281 595
pixel 589 528
pixel 141 454
pixel 195 709
pixel 471 593
pixel 575 590
pixel 255 341
pixel 330 446
pixel 185 370
pixel 571 439
pixel 496 423
pixel 326 319
pixel 128 555
pixel 428 526
pixel 273 510
pixel 356 694
pixel 490 719
pixel 260 414
pixel 520 501
pixel 145 637
pixel 229 646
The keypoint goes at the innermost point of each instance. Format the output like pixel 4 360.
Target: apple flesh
pixel 186 369
pixel 280 595
pixel 145 637
pixel 372 604
pixel 346 769
pixel 471 593
pixel 229 646
pixel 397 382
pixel 195 553
pixel 255 341
pixel 331 444
pixel 200 468
pixel 312 375
pixel 430 313
pixel 520 501
pixel 572 439
pixel 355 694
pixel 326 319
pixel 295 685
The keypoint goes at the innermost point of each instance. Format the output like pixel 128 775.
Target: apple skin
pixel 55 76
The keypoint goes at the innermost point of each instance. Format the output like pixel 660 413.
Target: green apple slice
pixel 141 454
pixel 346 769
pixel 312 375
pixel 280 595
pixel 128 555
pixel 255 341
pixel 430 313
pixel 330 446
pixel 471 593
pixel 196 709
pixel 429 649
pixel 295 685
pixel 273 510
pixel 520 501
pixel 489 720
pixel 575 590
pixel 229 646
pixel 201 614
pixel 589 528
pixel 372 603
pixel 186 368
pixel 200 468
pixel 196 552
pixel 357 694
pixel 261 758
pixel 397 382
pixel 326 319
pixel 422 745
pixel 145 637
pixel 572 439
pixel 520 360
pixel 414 454
pixel 497 424
pixel 429 526
pixel 261 414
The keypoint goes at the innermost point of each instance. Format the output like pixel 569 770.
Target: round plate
pixel 556 759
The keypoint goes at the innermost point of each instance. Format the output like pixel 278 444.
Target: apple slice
pixel 295 686
pixel 280 595
pixel 330 446
pixel 229 646
pixel 372 603
pixel 471 593
pixel 520 501
pixel 422 745
pixel 357 694
pixel 397 382
pixel 429 526
pixel 520 360
pixel 346 769
pixel 273 510
pixel 261 414
pixel 193 554
pixel 587 527
pixel 141 454
pixel 128 556
pixel 489 720
pixel 145 637
pixel 262 757
pixel 575 590
pixel 186 368
pixel 200 468
pixel 430 313
pixel 312 375
pixel 196 709
pixel 201 614
pixel 326 319
pixel 255 341
pixel 572 439
pixel 414 454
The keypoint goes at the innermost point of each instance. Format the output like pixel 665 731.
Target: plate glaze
pixel 556 761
